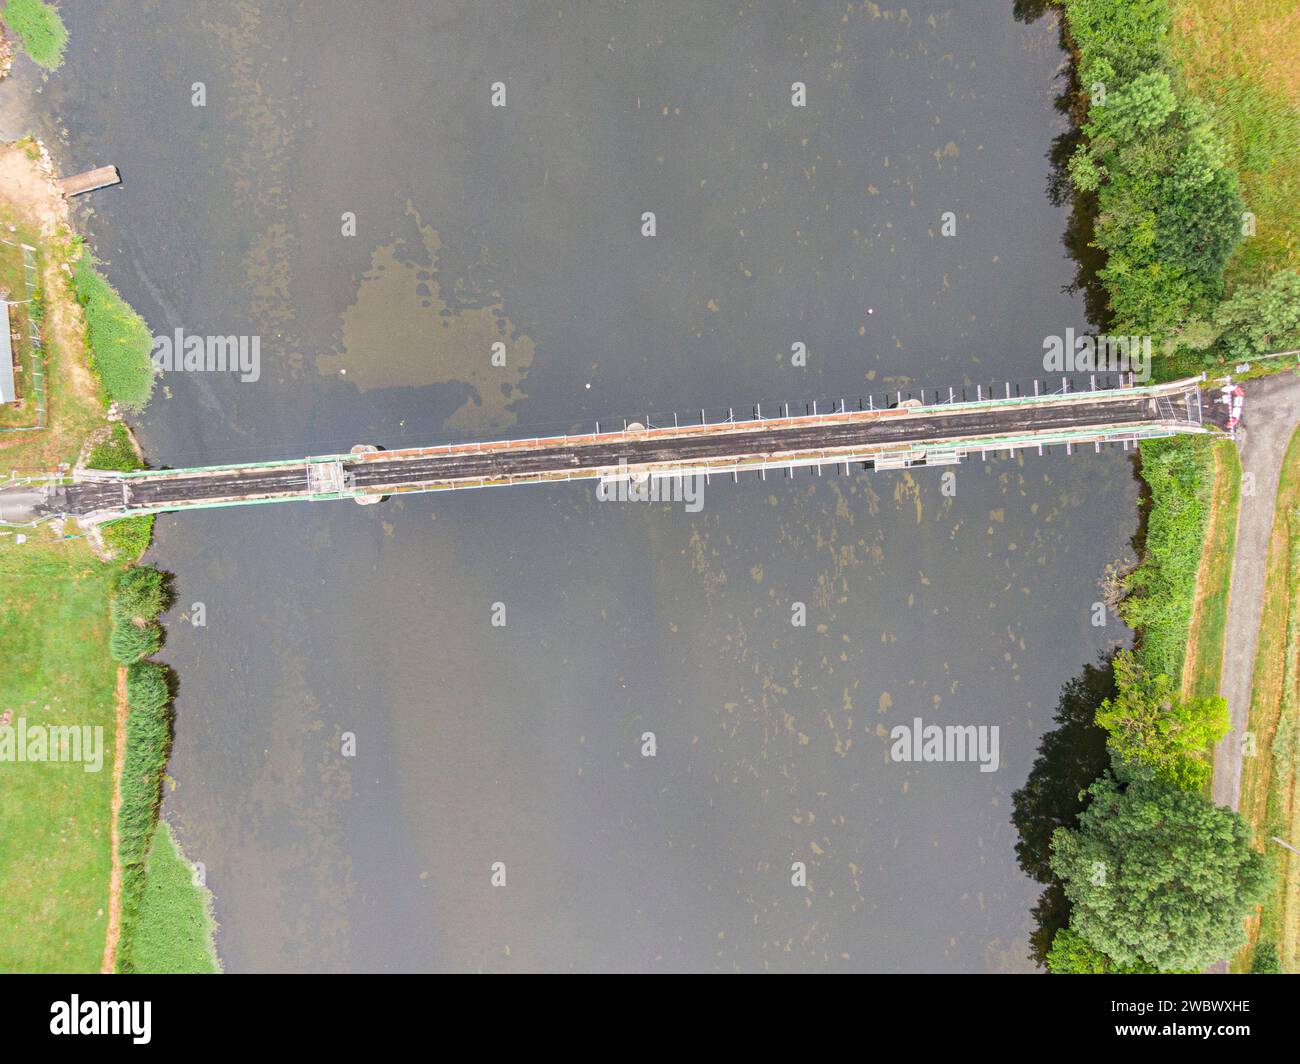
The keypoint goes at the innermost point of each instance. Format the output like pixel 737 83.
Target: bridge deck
pixel 854 435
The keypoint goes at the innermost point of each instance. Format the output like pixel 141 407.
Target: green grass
pixel 1180 474
pixel 40 29
pixel 115 452
pixel 148 738
pixel 1240 57
pixel 54 848
pixel 175 926
pixel 119 341
pixel 128 537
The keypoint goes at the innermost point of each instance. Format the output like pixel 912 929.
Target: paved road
pixel 1271 415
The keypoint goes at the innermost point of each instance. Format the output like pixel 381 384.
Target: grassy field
pixel 1240 56
pixel 1204 661
pixel 56 846
pixel 54 850
pixel 175 929
pixel 1269 795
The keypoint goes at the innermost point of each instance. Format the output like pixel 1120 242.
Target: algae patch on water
pixel 402 332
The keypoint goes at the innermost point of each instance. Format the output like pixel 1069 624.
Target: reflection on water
pixel 1072 757
pixel 522 743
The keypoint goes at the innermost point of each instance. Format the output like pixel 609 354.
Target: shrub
pixel 1162 590
pixel 140 594
pixel 1263 318
pixel 1148 726
pixel 146 687
pixel 41 30
pixel 118 338
pixel 1071 954
pixel 115 452
pixel 129 642
pixel 128 537
pixel 148 736
pixel 1265 961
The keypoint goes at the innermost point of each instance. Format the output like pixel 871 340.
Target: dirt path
pixel 109 964
pixel 1272 412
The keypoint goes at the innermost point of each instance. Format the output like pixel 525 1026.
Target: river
pixel 522 743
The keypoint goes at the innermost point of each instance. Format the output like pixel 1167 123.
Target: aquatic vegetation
pixel 39 27
pixel 119 340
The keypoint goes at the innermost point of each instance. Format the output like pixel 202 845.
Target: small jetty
pixel 100 177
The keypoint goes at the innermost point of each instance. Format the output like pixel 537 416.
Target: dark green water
pixel 522 743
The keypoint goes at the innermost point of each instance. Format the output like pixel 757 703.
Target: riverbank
pixel 1198 247
pixel 60 872
pixel 1269 797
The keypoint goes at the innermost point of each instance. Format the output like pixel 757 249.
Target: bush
pixel 115 452
pixel 119 340
pixel 148 736
pixel 1262 319
pixel 1265 961
pixel 140 595
pixel 1162 590
pixel 41 30
pixel 1148 726
pixel 129 642
pixel 128 537
pixel 146 687
pixel 1071 954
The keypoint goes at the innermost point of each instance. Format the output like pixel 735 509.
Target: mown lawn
pixel 54 847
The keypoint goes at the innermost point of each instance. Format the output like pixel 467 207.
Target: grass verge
pixel 1269 794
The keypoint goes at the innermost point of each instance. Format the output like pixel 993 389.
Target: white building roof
pixel 7 393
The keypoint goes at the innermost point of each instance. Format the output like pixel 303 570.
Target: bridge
pixel 904 433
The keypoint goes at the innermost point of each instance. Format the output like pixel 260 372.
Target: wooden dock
pixel 100 177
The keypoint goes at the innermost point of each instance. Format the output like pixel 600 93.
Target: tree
pixel 1070 758
pixel 1149 727
pixel 1071 954
pixel 1159 875
pixel 1262 318
pixel 1137 109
